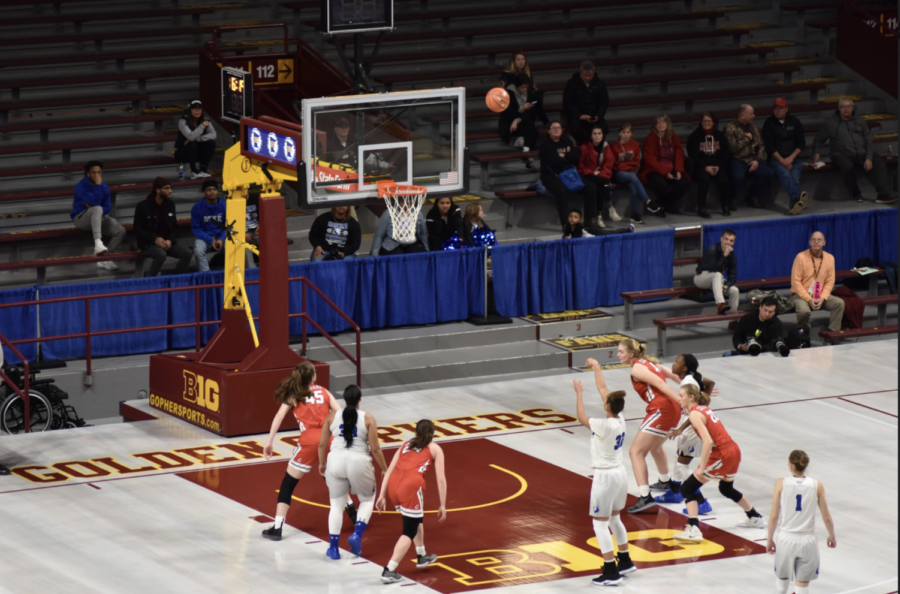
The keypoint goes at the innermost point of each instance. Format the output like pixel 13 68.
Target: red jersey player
pixel 310 405
pixel 663 414
pixel 404 482
pixel 719 460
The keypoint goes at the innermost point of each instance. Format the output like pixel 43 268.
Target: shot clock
pixel 237 94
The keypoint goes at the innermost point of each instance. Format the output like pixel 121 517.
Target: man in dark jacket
pixel 785 139
pixel 717 270
pixel 334 235
pixel 585 101
pixel 851 149
pixel 154 225
pixel 759 331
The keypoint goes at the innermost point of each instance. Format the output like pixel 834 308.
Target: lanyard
pixel 816 268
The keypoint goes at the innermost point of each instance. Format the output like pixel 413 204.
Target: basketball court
pixel 162 505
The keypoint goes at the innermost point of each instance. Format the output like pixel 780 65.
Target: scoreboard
pixel 237 94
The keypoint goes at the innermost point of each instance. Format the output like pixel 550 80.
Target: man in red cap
pixel 154 225
pixel 785 139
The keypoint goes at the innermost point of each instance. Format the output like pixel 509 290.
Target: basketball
pixel 497 99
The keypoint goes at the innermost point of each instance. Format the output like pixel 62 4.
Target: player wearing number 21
pixel 794 545
pixel 719 460
pixel 310 404
pixel 349 467
pixel 609 489
pixel 404 482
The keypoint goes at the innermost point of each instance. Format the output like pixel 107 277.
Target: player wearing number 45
pixel 310 404
pixel 719 460
pixel 349 468
pixel 794 545
pixel 610 487
pixel 404 482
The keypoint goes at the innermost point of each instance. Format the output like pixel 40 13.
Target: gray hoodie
pixel 851 138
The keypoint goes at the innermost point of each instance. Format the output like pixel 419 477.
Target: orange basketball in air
pixel 497 99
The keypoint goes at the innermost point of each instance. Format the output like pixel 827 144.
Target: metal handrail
pixel 25 400
pixel 197 323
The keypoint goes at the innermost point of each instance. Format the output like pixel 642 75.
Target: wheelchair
pixel 47 407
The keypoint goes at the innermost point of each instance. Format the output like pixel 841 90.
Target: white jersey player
pixel 794 545
pixel 349 467
pixel 610 487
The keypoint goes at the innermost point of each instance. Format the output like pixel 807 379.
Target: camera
pixel 783 348
pixel 753 347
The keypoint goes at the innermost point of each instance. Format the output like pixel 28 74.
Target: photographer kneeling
pixel 759 331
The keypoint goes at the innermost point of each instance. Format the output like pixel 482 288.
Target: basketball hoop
pixel 404 202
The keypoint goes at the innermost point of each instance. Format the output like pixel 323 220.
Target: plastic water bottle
pixel 181 172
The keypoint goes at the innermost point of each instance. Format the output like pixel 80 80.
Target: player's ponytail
pixel 294 389
pixel 424 435
pixel 352 394
pixel 800 460
pixel 701 398
pixel 637 350
pixel 691 364
pixel 616 401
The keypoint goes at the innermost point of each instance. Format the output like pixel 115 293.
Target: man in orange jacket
pixel 812 279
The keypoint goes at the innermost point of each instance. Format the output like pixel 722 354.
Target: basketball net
pixel 404 202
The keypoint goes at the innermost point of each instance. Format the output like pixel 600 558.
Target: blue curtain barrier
pixel 767 248
pixel 552 276
pixel 19 323
pixel 375 292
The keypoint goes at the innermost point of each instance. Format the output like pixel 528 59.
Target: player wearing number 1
pixel 310 404
pixel 349 467
pixel 609 489
pixel 404 482
pixel 794 545
pixel 719 460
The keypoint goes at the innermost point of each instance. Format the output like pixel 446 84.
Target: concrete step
pixel 430 366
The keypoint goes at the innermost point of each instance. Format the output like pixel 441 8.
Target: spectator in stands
pixel 717 270
pixel 851 149
pixel 574 229
pixel 596 168
pixel 709 156
pixel 386 244
pixel 559 153
pixel 334 235
pixel 585 101
pixel 3 469
pixel 196 142
pixel 474 232
pixel 442 221
pixel 785 139
pixel 154 225
pixel 208 225
pixel 662 166
pixel 90 212
pixel 518 65
pixel 340 149
pixel 625 156
pixel 759 331
pixel 812 279
pixel 749 158
pixel 519 119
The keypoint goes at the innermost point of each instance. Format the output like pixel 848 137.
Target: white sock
pixel 336 516
pixel 279 522
pixel 682 471
pixel 604 538
pixel 420 551
pixel 781 586
pixel 801 590
pixel 665 477
pixel 365 510
pixel 392 565
pixel 618 531
pixel 644 490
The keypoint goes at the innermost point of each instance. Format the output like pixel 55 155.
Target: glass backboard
pixel 410 137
